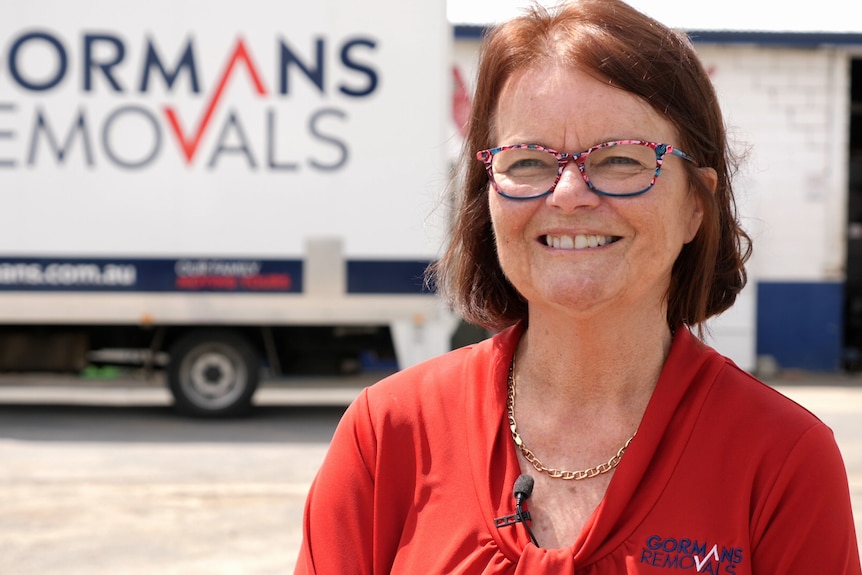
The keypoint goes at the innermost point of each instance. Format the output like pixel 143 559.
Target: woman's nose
pixel 572 191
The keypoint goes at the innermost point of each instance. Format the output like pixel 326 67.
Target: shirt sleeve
pixel 805 523
pixel 338 520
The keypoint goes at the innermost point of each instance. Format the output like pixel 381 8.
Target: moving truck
pixel 212 190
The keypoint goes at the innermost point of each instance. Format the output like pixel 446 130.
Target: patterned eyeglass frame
pixel 563 159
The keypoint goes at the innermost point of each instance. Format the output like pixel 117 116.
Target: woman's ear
pixel 710 178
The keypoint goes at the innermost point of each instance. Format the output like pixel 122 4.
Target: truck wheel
pixel 212 374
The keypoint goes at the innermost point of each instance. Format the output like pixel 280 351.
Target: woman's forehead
pixel 568 106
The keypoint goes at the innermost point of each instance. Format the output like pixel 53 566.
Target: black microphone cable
pixel 522 491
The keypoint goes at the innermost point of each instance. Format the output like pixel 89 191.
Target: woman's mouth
pixel 578 242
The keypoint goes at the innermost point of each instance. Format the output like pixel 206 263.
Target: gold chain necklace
pixel 535 462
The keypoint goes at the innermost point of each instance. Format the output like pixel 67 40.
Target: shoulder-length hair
pixel 632 52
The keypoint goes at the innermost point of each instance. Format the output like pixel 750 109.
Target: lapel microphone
pixel 522 491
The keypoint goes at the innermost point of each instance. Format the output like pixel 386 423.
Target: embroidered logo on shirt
pixel 690 554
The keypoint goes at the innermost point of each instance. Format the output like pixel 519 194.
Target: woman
pixel 595 226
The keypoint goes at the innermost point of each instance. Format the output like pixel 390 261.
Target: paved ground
pixel 98 480
pixel 101 478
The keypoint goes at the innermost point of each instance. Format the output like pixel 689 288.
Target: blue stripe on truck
pixel 150 275
pixel 386 276
pixel 221 275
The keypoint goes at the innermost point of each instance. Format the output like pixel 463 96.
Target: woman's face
pixel 639 237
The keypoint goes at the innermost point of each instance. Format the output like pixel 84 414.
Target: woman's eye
pixel 527 163
pixel 619 160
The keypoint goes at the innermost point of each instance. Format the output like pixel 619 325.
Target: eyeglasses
pixel 621 168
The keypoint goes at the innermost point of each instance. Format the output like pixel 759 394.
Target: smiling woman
pixel 595 231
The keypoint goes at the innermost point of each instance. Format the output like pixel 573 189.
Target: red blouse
pixel 725 475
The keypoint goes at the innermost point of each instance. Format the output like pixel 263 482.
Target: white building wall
pixel 787 112
pixel 789 108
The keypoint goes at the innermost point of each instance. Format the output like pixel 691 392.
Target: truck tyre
pixel 213 374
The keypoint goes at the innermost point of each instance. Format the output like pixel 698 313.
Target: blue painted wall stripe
pixel 800 324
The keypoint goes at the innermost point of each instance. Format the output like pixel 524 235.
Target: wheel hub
pixel 212 374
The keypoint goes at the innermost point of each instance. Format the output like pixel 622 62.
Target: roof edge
pixel 770 38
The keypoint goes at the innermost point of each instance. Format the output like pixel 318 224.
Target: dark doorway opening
pixel 853 285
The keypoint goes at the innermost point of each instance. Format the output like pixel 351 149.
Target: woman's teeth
pixel 578 242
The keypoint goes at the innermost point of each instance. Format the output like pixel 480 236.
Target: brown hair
pixel 618 44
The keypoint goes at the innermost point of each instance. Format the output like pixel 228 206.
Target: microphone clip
pixel 512 519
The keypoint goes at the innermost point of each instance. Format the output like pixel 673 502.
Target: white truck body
pixel 179 163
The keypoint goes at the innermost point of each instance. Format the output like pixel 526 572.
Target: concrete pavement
pixel 115 480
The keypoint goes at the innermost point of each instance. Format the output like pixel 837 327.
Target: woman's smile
pixel 577 241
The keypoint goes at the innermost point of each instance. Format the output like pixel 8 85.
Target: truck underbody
pixel 212 370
